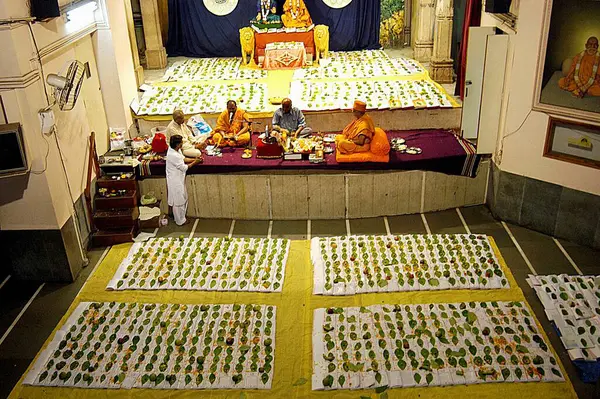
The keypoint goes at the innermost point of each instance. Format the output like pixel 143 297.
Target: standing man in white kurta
pixel 176 169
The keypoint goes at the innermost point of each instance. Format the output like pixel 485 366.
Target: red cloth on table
pixel 262 39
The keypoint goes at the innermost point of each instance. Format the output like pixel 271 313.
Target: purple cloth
pixel 442 152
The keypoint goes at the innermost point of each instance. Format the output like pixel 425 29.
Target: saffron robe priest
pixel 295 14
pixel 357 136
pixel 583 78
pixel 232 127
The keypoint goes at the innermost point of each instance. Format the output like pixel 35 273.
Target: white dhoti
pixel 307 131
pixel 179 212
pixel 192 152
pixel 176 193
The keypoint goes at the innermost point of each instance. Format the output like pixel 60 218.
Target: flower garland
pixel 265 8
pixel 590 82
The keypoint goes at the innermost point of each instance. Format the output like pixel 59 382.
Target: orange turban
pixel 359 106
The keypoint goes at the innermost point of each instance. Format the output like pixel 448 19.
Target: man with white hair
pixel 177 127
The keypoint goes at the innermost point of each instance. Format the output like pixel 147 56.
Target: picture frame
pixel 574 142
pixel 548 97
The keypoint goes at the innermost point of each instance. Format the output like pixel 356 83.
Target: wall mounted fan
pixel 67 86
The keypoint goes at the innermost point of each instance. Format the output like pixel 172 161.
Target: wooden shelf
pixel 116 219
pixel 113 237
pixel 129 200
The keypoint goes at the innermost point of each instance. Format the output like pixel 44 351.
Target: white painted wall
pixel 45 202
pixel 117 74
pixel 520 148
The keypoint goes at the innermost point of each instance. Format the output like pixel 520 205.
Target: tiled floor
pixel 28 327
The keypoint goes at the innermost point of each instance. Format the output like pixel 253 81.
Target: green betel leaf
pixel 381 389
pixel 518 372
pixel 556 372
pixel 429 378
pixel 300 381
pixel 328 381
pixel 341 380
pixel 471 318
pixel 522 349
pixel 265 378
pixel 417 378
pixel 384 395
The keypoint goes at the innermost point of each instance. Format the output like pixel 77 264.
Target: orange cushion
pixel 380 144
pixel 380 150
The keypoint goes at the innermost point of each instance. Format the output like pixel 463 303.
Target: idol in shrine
pixel 267 13
pixel 295 14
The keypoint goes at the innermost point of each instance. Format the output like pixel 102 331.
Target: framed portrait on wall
pixel 573 142
pixel 568 73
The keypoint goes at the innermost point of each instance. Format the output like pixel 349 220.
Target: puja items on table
pixel 284 46
pixel 399 145
pixel 269 146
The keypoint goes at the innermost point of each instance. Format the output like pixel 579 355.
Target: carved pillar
pixel 156 55
pixel 407 22
pixel 441 62
pixel 425 21
pixel 139 71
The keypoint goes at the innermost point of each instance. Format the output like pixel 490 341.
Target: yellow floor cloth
pixel 293 346
pixel 278 85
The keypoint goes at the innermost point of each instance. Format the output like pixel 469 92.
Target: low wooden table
pixel 287 55
pixel 262 39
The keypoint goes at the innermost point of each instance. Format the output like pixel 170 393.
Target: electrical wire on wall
pixel 27 21
pixel 60 152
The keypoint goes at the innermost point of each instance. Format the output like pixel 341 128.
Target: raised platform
pixel 318 194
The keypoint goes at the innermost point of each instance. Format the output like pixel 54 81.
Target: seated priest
pixel 232 127
pixel 295 14
pixel 289 121
pixel 582 77
pixel 357 136
pixel 190 146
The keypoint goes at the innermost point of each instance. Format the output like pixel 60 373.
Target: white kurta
pixel 176 193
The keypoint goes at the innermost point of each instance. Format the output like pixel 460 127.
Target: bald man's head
pixel 178 116
pixel 286 105
pixel 591 46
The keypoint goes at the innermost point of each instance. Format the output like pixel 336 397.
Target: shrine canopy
pixel 194 31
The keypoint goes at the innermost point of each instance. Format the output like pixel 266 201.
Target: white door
pixel 491 96
pixel 476 52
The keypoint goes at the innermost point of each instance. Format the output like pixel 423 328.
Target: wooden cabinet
pixel 115 217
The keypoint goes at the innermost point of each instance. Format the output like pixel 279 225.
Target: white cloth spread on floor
pixel 176 193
